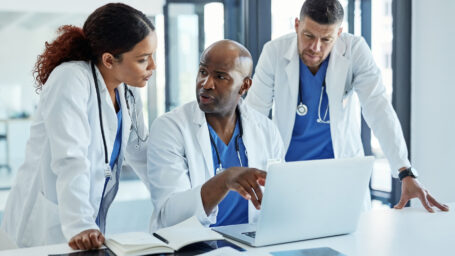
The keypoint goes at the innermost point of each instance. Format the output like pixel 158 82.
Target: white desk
pixel 384 232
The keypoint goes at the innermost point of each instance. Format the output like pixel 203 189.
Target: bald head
pixel 224 76
pixel 236 56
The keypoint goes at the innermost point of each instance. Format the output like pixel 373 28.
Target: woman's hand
pixel 87 240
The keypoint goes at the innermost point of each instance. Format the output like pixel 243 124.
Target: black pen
pixel 161 238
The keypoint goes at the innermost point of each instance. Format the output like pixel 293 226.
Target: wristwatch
pixel 407 172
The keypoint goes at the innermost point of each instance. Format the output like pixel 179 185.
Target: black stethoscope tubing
pixel 106 159
pixel 237 146
pixel 134 126
pixel 108 170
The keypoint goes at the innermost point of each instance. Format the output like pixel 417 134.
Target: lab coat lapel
pixel 336 77
pixel 292 72
pixel 109 116
pixel 335 82
pixel 203 138
pixel 285 114
pixel 249 129
pixel 253 150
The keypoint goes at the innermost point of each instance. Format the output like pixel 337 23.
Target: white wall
pixel 19 50
pixel 150 7
pixel 433 96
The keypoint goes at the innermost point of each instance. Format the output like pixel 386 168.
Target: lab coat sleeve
pixel 260 96
pixel 377 108
pixel 136 150
pixel 66 120
pixel 278 146
pixel 174 196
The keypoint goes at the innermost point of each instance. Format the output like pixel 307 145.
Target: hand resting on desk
pixel 87 240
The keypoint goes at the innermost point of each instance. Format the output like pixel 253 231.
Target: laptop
pixel 307 199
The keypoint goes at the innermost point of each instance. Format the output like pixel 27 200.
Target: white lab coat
pixel 57 191
pixel 180 161
pixel 351 69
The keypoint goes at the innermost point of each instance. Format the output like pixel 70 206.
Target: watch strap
pixel 405 173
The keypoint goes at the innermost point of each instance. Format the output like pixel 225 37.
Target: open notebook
pixel 140 243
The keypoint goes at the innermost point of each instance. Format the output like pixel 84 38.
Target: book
pixel 166 240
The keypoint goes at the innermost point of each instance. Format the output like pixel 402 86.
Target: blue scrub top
pixel 118 136
pixel 233 209
pixel 310 139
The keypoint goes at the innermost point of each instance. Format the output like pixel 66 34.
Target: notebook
pixel 166 240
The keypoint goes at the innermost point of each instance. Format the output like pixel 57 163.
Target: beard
pixel 309 61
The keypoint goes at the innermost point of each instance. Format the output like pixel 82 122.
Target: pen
pixel 161 238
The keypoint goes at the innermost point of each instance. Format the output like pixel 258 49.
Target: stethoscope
pixel 302 109
pixel 128 92
pixel 237 145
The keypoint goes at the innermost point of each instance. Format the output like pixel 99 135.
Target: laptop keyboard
pixel 251 234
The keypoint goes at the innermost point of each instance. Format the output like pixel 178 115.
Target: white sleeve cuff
pixel 396 166
pixel 179 207
pixel 200 211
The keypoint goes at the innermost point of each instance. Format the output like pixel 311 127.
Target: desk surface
pixel 384 232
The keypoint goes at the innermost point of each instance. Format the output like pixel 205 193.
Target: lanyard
pixel 237 145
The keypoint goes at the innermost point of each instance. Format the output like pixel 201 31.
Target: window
pixel 191 26
pixel 283 16
pixel 381 47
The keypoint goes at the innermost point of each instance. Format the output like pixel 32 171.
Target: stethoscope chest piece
pixel 219 170
pixel 302 109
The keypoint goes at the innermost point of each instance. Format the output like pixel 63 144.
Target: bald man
pixel 206 158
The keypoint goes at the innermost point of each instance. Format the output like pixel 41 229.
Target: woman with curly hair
pixel 88 127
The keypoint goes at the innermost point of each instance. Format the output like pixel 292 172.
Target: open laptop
pixel 307 199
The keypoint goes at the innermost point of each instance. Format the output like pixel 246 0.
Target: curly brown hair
pixel 71 44
pixel 114 28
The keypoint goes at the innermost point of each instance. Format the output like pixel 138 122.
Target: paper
pixel 223 251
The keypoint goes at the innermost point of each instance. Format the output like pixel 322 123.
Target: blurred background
pixel 413 53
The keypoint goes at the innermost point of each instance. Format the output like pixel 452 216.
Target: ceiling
pixel 32 15
pixel 37 20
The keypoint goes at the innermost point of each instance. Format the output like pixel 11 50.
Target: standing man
pixel 202 156
pixel 309 77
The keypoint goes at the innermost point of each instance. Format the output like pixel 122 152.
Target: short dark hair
pixel 326 12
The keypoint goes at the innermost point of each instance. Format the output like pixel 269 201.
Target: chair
pixel 5 242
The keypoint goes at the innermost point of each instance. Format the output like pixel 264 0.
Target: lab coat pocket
pixel 44 225
pixel 346 97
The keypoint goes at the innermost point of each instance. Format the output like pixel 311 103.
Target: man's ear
pixel 340 30
pixel 245 86
pixel 107 60
pixel 296 25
